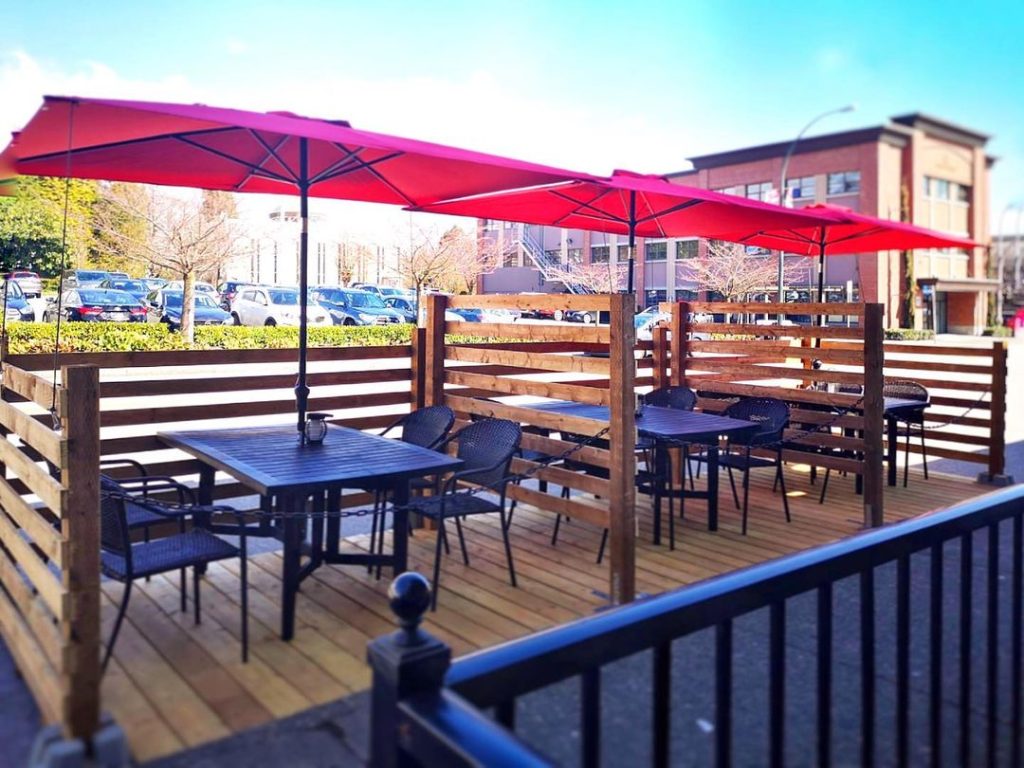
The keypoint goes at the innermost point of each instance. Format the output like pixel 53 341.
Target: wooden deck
pixel 173 685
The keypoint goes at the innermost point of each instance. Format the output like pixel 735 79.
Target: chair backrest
pixel 114 535
pixel 488 445
pixel 905 390
pixel 680 398
pixel 770 413
pixel 427 427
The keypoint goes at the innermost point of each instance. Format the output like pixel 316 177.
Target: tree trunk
pixel 188 306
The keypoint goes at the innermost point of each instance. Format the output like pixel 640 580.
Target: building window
pixel 657 251
pixel 756 250
pixel 622 254
pixel 575 255
pixel 844 183
pixel 684 294
pixel 554 255
pixel 738 189
pixel 800 189
pixel 687 249
pixel 655 297
pixel 761 191
pixel 599 254
pixel 510 256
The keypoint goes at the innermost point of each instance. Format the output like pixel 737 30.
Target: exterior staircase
pixel 550 269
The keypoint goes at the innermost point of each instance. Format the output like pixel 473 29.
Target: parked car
pixel 29 282
pixel 349 306
pixel 261 305
pixel 469 315
pixel 403 306
pixel 166 306
pixel 651 317
pixel 228 290
pixel 79 278
pixel 580 316
pixel 16 306
pixel 179 286
pixel 97 305
pixel 153 283
pixel 136 288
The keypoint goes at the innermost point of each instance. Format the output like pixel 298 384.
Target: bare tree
pixel 187 237
pixel 727 269
pixel 425 261
pixel 596 278
pixel 472 258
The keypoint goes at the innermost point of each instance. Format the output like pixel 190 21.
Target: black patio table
pixel 896 408
pixel 272 462
pixel 669 426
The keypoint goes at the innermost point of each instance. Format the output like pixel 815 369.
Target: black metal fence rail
pixel 428 712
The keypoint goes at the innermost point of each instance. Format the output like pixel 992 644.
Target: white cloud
pixel 236 47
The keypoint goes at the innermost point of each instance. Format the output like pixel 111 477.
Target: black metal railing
pixel 961 705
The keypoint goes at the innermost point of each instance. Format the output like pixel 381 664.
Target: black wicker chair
pixel 426 427
pixel 486 448
pixel 658 472
pixel 123 561
pixel 772 415
pixel 913 420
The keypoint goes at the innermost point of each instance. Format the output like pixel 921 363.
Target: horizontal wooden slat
pixel 556 421
pixel 37 672
pixel 232 410
pixel 524 387
pixel 833 399
pixel 940 452
pixel 742 371
pixel 43 579
pixel 184 386
pixel 26 384
pixel 537 346
pixel 920 348
pixel 598 334
pixel 779 331
pixel 33 611
pixel 787 308
pixel 551 503
pixel 42 533
pixel 570 363
pixel 965 402
pixel 39 436
pixel 35 477
pixel 599 457
pixel 566 478
pixel 592 301
pixel 207 357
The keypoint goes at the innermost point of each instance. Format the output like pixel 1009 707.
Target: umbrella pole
pixel 632 241
pixel 301 389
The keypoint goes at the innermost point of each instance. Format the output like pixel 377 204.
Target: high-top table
pixel 895 409
pixel 272 462
pixel 668 427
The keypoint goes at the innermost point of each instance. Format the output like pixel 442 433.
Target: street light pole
pixel 782 184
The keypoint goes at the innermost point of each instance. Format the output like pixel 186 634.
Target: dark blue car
pixel 16 306
pixel 136 288
pixel 166 306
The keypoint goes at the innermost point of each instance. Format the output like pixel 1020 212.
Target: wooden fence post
pixel 874 414
pixel 80 527
pixel 659 339
pixel 680 326
pixel 622 438
pixel 417 368
pixel 433 360
pixel 997 425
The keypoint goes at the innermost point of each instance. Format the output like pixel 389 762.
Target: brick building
pixel 915 168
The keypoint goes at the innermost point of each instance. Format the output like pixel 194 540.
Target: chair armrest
pixel 151 483
pixel 136 465
pixel 455 477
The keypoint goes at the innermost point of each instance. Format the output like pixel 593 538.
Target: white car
pixel 258 305
pixel 647 320
pixel 178 286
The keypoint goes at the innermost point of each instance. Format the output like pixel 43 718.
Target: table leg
pixel 712 487
pixel 207 477
pixel 292 553
pixel 659 490
pixel 333 523
pixel 890 450
pixel 400 528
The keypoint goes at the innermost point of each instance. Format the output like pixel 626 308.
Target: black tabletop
pixel 271 459
pixel 661 423
pixel 896 404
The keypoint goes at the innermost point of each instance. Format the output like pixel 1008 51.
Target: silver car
pixel 29 282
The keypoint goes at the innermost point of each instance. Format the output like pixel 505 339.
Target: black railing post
pixel 404 663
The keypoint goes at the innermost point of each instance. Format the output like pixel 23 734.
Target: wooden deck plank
pixel 173 685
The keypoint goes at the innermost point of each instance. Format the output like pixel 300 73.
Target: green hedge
pixel 27 338
pixel 908 334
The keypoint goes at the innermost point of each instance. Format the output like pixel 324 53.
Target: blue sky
pixel 585 85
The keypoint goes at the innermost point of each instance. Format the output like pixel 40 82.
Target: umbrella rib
pixel 61 154
pixel 256 170
pixel 368 165
pixel 337 165
pixel 586 205
pixel 672 209
pixel 271 153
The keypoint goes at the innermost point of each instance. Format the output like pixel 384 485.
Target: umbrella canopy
pixel 631 204
pixel 191 145
pixel 842 231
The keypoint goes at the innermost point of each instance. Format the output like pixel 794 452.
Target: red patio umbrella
pixel 842 230
pixel 631 204
pixel 191 145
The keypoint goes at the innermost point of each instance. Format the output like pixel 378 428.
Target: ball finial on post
pixel 409 598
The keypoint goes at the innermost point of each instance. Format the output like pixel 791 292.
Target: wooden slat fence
pixel 49 544
pixel 731 356
pixel 586 364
